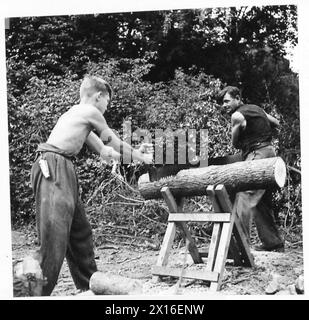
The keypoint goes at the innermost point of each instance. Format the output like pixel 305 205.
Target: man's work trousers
pixel 63 228
pixel 256 204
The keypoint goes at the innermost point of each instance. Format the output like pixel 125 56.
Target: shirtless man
pixel 63 228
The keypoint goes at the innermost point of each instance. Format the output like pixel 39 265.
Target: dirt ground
pixel 136 262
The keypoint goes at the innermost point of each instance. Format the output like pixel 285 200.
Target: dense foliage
pixel 165 68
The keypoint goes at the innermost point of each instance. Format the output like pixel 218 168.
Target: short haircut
pixel 232 91
pixel 92 84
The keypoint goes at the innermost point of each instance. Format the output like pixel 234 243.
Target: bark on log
pixel 110 284
pixel 159 172
pixel 238 176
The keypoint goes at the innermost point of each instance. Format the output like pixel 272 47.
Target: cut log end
pixel 280 172
pixel 144 178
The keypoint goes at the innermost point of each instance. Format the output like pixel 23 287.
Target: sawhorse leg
pixel 222 238
pixel 227 236
pixel 171 231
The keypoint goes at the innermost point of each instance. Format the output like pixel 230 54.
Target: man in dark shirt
pixel 252 133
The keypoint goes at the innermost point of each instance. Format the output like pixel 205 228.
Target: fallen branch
pixel 128 260
pixel 126 184
pixel 129 199
pixel 157 222
pixel 123 203
pixel 123 236
pixel 295 244
pixel 236 281
pixel 125 243
pixel 294 169
pixel 100 188
pixel 190 283
pixel 201 238
pixel 117 227
pixel 199 205
pixel 107 247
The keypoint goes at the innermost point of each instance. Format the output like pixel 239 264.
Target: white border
pixel 16 8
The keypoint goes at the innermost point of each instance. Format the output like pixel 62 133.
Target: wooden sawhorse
pixel 227 236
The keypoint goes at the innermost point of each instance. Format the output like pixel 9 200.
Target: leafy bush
pixel 33 115
pixel 186 102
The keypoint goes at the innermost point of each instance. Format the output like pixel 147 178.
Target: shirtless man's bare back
pixel 63 228
pixel 74 128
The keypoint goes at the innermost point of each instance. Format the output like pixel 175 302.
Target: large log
pixel 102 283
pixel 238 176
pixel 158 172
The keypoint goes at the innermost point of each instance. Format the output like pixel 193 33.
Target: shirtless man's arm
pixel 238 123
pixel 96 144
pixel 274 123
pixel 106 134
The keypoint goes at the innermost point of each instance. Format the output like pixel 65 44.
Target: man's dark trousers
pixel 63 228
pixel 256 204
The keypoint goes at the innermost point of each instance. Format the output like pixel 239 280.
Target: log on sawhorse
pixel 227 237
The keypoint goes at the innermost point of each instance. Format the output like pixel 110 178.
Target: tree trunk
pixel 110 284
pixel 238 176
pixel 167 170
